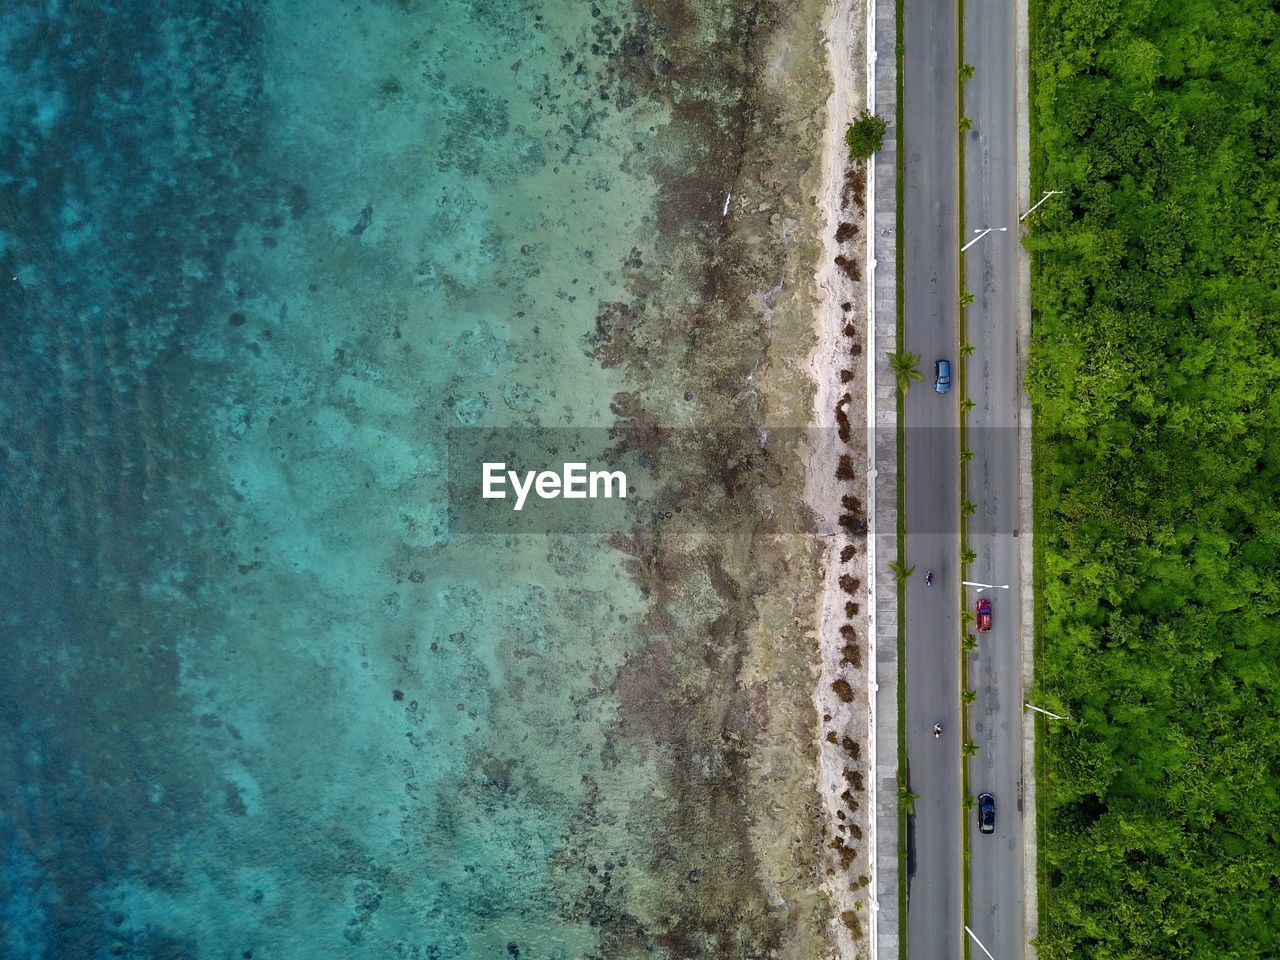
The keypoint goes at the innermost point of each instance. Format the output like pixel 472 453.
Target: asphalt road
pixel 930 300
pixel 994 382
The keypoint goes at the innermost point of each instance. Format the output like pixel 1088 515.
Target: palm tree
pixel 970 748
pixel 967 404
pixel 966 71
pixel 966 455
pixel 908 799
pixel 966 349
pixel 967 556
pixel 965 123
pixel 968 696
pixel 906 369
pixel 966 298
pixel 968 507
pixel 901 571
pixel 970 642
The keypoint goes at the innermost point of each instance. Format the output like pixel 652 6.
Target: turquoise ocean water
pixel 258 260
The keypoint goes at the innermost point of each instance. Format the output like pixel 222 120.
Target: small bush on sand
pixel 865 136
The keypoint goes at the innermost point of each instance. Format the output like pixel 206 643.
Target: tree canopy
pixel 1153 375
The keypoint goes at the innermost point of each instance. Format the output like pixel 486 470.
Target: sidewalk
pixel 1026 503
pixel 884 421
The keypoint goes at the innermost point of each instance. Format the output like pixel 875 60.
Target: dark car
pixel 984 614
pixel 942 375
pixel 987 813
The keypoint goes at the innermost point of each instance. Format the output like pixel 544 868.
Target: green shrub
pixel 865 136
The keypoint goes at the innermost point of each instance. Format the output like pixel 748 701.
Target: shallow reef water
pixel 259 260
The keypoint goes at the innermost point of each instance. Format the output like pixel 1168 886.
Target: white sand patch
pixel 843 720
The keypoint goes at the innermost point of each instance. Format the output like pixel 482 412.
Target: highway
pixel 930 301
pixel 994 381
pixel 934 920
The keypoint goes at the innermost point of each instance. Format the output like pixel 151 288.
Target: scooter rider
pixel 937 730
pixel 928 579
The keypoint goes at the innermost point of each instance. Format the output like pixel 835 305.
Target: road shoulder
pixel 1026 503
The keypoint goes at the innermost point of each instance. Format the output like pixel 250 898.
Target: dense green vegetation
pixel 865 135
pixel 1154 377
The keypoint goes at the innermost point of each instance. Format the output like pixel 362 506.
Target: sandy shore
pixel 846 761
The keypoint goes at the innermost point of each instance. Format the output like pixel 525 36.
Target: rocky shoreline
pixel 720 336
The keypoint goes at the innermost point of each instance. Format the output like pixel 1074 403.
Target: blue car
pixel 942 375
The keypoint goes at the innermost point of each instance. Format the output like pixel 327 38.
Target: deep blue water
pixel 258 260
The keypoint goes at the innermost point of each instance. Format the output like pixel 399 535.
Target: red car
pixel 984 614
